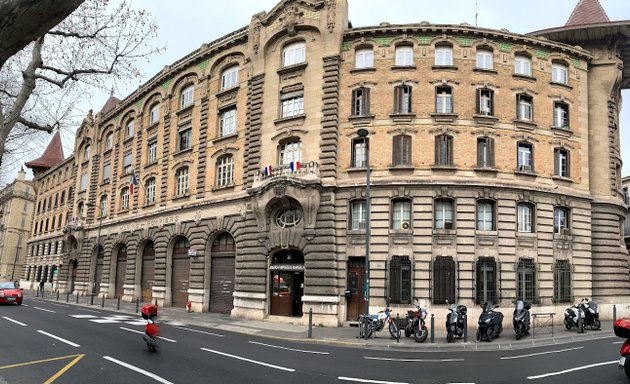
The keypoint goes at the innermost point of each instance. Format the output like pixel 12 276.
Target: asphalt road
pixel 47 342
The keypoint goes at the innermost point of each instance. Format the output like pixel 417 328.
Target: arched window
pixel 86 153
pixel 223 243
pixel 181 181
pixel 290 152
pixel 364 58
pixel 130 129
pixel 294 53
pixel 109 141
pixel 229 77
pixel 103 207
pixel 154 114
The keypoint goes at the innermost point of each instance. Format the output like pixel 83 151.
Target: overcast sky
pixel 184 25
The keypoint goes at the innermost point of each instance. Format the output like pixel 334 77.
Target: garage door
pixel 121 268
pixel 181 271
pixel 222 284
pixel 148 272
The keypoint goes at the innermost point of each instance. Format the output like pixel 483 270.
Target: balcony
pixel 304 171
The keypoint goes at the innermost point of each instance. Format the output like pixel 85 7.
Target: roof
pixel 52 156
pixel 588 12
pixel 109 104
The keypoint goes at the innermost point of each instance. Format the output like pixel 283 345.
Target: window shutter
pixel 491 96
pixel 406 150
pixel 437 91
pixel 556 162
pixel 438 149
pixel 518 112
pixel 479 106
pixel 480 146
pixel 449 150
pixel 366 101
pixel 398 99
pixel 490 152
pixel 396 150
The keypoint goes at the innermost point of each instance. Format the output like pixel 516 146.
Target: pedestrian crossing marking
pixel 113 319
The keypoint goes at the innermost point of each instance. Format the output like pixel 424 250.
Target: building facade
pixel 16 214
pixel 235 179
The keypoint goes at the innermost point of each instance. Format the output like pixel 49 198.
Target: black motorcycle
pixel 455 321
pixel 415 324
pixel 520 318
pixel 490 323
pixel 591 315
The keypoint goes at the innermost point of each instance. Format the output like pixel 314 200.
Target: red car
pixel 10 293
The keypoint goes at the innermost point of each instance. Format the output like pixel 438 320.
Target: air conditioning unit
pixel 405 225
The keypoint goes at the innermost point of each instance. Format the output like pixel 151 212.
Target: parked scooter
pixel 591 314
pixel 571 317
pixel 520 318
pixel 415 324
pixel 455 321
pixel 151 330
pixel 370 324
pixel 622 329
pixel 490 323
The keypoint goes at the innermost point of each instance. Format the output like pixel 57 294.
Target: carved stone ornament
pixel 332 6
pixel 198 216
pixel 291 19
pixel 279 190
pixel 256 36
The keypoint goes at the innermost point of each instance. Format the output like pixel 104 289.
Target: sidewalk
pixel 342 336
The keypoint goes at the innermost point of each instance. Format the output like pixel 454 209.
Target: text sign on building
pixel 286 267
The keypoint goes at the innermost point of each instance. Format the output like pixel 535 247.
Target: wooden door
pixel 355 284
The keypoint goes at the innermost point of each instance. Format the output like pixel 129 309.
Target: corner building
pixel 236 178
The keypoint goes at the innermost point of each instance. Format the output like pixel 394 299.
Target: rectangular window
pixel 152 152
pixel 83 184
pixel 484 59
pixel 485 216
pixel 292 106
pixel 229 78
pixel 443 280
pixel 401 214
pixel 225 171
pixel 294 53
pixel 404 56
pixel 402 97
pixel 124 199
pixel 443 214
pixel 110 140
pixel 364 58
pixel 526 280
pixel 523 66
pixel 561 221
pixel 485 152
pixel 443 56
pixel 524 108
pixel 444 150
pixel 561 162
pixel 560 115
pixel 186 98
pixel 127 163
pixel 227 122
pixel 361 102
pixel 524 161
pixel 562 282
pixel 443 100
pixel 130 129
pixel 155 114
pixel 401 150
pixel 359 153
pixel 290 152
pixel 525 217
pixel 181 188
pixel 485 102
pixel 103 206
pixel 486 280
pixel 357 214
pixel 400 280
pixel 559 73
pixel 150 191
pixel 106 172
pixel 184 139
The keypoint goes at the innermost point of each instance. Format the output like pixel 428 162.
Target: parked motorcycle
pixel 455 321
pixel 490 323
pixel 622 329
pixel 370 324
pixel 415 325
pixel 591 314
pixel 521 318
pixel 151 330
pixel 571 316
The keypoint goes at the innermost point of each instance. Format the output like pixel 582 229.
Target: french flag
pixel 134 181
pixel 295 166
pixel 267 170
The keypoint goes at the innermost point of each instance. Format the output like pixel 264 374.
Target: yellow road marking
pixel 56 375
pixel 64 369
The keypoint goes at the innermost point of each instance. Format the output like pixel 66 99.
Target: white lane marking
pixel 344 378
pixel 289 349
pixel 198 331
pixel 139 370
pixel 14 321
pixel 619 342
pixel 88 310
pixel 412 360
pixel 539 353
pixel 249 360
pixel 43 309
pixel 61 305
pixel 572 370
pixel 83 316
pixel 142 333
pixel 58 338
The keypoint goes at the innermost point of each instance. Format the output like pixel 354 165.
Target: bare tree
pixel 95 45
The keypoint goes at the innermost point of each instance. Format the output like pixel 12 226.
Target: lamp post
pixel 17 255
pixel 363 133
pixel 98 245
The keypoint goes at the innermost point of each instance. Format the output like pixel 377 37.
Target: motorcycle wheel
pixel 519 331
pixel 420 334
pixel 626 367
pixel 597 325
pixel 394 331
pixel 567 324
pixel 367 330
pixel 450 336
pixel 489 333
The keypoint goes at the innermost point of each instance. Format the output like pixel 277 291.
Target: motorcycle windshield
pixel 593 306
pixel 520 306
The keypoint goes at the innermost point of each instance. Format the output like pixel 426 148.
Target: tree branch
pixel 77 34
pixel 36 126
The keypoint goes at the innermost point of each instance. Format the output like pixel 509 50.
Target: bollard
pixel 137 304
pixel 432 329
pixel 466 328
pixel 118 304
pixel 103 302
pixel 77 297
pixel 310 323
pixel 57 295
pixel 92 299
pixel 614 313
pixel 398 327
pixel 67 297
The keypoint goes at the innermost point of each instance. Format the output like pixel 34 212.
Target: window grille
pixel 486 279
pixel 526 280
pixel 400 280
pixel 443 280
pixel 562 281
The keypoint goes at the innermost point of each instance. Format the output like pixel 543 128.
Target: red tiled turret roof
pixel 588 12
pixel 52 156
pixel 109 105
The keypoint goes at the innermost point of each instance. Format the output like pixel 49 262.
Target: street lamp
pixel 98 245
pixel 363 133
pixel 17 255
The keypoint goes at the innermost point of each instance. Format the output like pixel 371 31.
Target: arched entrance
pixel 180 272
pixel 121 269
pixel 147 274
pixel 287 283
pixel 98 272
pixel 222 272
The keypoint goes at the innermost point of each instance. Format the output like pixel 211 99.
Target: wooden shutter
pixel 406 150
pixel 396 150
pixel 366 101
pixel 438 149
pixel 444 279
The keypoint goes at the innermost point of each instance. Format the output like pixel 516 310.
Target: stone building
pixel 16 214
pixel 235 179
